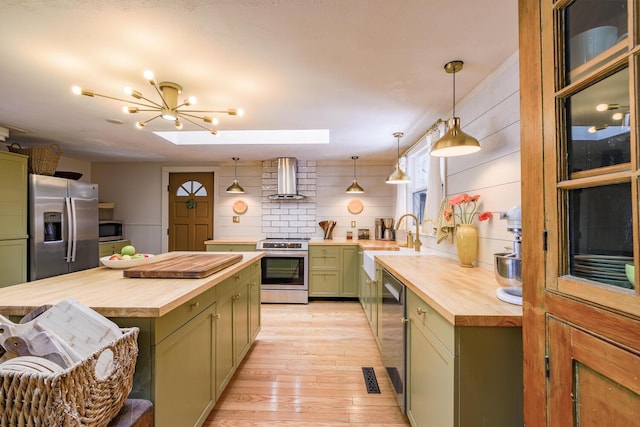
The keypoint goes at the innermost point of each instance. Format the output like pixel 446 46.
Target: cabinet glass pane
pixel 601 233
pixel 598 132
pixel 595 30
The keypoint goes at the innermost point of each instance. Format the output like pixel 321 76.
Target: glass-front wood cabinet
pixel 579 133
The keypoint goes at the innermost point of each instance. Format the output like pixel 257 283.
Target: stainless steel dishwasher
pixel 393 334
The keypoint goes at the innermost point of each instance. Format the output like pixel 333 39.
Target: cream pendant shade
pixel 354 187
pixel 235 187
pixel 398 176
pixel 455 142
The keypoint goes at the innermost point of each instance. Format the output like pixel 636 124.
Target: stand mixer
pixel 508 265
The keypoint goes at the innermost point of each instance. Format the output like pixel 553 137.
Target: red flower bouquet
pixel 467 209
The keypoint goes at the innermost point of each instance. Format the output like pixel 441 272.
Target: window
pixel 189 188
pixel 418 169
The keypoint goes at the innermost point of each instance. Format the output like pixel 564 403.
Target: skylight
pixel 248 137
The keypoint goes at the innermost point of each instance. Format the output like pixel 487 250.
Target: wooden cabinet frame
pixel 567 321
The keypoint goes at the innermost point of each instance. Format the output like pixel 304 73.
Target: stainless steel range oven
pixel 285 270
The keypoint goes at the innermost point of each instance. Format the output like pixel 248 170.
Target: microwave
pixel 110 230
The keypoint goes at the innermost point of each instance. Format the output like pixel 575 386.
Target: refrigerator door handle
pixel 74 222
pixel 69 221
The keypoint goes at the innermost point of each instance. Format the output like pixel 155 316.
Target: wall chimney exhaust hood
pixel 287 180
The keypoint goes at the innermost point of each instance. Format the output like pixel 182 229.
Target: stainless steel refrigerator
pixel 63 226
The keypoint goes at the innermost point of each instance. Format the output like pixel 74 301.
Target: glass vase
pixel 467 244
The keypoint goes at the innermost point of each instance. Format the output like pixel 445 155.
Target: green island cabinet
pixel 461 376
pixel 13 218
pixel 188 356
pixel 333 271
pixel 231 247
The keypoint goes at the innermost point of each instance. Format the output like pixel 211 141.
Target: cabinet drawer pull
pixel 405 320
pixel 195 304
pixel 421 311
pixel 217 316
pixel 236 297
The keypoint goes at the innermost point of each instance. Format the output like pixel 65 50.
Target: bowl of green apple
pixel 128 257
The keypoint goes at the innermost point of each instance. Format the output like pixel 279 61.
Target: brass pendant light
pixel 235 187
pixel 455 142
pixel 354 187
pixel 398 176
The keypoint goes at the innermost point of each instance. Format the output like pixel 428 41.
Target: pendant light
pixel 354 187
pixel 455 142
pixel 235 187
pixel 398 176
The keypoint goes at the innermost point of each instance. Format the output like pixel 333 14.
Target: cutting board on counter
pixel 188 266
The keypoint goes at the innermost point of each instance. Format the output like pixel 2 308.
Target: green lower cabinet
pixel 333 271
pixel 463 376
pixel 184 387
pixel 350 271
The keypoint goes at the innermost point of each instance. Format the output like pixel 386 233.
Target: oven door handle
pixel 288 254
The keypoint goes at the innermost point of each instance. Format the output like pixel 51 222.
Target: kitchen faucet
pixel 417 243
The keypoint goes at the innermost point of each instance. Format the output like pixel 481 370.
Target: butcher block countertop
pixel 463 296
pixel 112 295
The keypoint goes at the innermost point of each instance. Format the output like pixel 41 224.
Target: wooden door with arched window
pixel 190 210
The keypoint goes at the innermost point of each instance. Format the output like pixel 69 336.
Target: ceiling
pixel 361 68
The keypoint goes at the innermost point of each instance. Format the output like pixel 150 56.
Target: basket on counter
pixel 42 160
pixel 75 396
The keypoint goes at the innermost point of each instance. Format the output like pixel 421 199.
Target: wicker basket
pixel 42 160
pixel 73 397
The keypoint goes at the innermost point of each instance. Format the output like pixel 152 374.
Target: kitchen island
pixel 193 332
pixel 464 346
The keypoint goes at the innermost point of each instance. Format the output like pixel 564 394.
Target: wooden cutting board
pixel 188 266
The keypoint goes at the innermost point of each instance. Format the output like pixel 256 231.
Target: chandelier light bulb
pixel 149 76
pixel 140 125
pixel 602 107
pixel 192 100
pixel 77 90
pixel 178 124
pixel 617 116
pixel 128 90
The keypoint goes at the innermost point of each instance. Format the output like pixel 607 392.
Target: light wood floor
pixel 305 369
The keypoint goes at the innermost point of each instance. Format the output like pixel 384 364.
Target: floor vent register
pixel 370 380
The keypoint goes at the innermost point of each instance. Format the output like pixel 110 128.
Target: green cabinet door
pixel 350 270
pixel 324 283
pixel 224 336
pixel 254 301
pixel 184 377
pixel 13 196
pixel 13 262
pixel 241 338
pixel 430 380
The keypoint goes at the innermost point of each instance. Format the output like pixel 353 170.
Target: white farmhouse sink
pixel 369 264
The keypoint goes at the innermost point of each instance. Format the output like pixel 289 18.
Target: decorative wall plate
pixel 355 206
pixel 240 207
